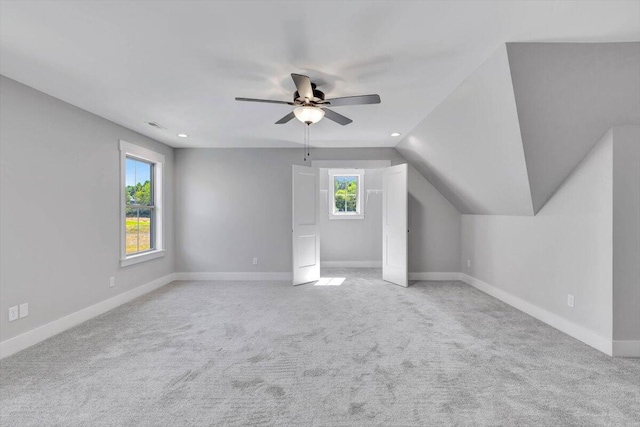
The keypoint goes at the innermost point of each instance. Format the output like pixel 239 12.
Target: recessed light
pixel 183 135
pixel 396 134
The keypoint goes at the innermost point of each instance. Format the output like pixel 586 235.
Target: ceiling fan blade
pixel 268 101
pixel 286 118
pixel 354 100
pixel 338 118
pixel 303 84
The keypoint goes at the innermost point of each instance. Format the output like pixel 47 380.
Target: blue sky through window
pixel 137 171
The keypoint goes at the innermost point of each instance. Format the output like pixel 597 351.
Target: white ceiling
pixel 181 63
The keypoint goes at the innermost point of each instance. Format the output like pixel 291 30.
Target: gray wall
pixel 60 209
pixel 235 204
pixel 626 233
pixel 568 95
pixel 567 248
pixel 352 240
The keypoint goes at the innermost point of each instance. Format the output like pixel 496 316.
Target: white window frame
pixel 359 214
pixel 135 151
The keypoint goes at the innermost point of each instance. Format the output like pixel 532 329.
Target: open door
pixel 395 225
pixel 306 226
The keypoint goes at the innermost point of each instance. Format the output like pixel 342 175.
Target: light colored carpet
pixel 363 353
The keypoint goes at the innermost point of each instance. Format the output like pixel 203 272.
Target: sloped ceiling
pixel 469 147
pixel 181 63
pixel 568 95
pixel 501 143
pixel 505 140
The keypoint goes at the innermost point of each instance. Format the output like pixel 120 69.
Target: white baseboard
pixel 41 333
pixel 628 348
pixel 576 331
pixel 434 276
pixel 197 276
pixel 234 276
pixel 351 264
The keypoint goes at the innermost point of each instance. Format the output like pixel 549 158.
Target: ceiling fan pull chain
pixel 308 142
pixel 304 147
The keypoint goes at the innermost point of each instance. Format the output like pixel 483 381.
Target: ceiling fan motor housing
pixel 318 96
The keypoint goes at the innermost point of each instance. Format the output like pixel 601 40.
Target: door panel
pixel 307 251
pixel 306 228
pixel 395 248
pixel 305 207
pixel 394 225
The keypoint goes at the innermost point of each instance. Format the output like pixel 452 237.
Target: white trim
pixel 132 150
pixel 629 348
pixel 145 256
pixel 352 264
pixel 141 152
pixel 351 164
pixel 333 216
pixel 41 333
pixel 448 276
pixel 581 333
pixel 347 172
pixel 251 276
pixel 229 275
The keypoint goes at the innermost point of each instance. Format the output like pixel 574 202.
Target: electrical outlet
pixel 255 261
pixel 570 300
pixel 112 281
pixel 468 263
pixel 13 313
pixel 24 310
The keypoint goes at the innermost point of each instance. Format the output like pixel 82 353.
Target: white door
pixel 306 226
pixel 395 225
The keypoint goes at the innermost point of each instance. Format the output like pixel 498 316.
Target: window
pixel 346 187
pixel 141 204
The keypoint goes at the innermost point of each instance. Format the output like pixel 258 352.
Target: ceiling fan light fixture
pixel 309 115
pixel 311 104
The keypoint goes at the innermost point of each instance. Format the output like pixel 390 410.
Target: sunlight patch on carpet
pixel 330 281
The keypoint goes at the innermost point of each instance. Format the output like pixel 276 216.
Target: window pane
pixel 131 224
pixel 340 201
pixel 352 185
pixel 139 191
pixel 145 219
pixel 352 202
pixel 139 177
pixel 139 230
pixel 345 194
pixel 130 168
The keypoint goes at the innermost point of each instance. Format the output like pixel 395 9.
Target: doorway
pixel 350 215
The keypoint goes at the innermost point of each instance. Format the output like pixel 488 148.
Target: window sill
pixel 147 256
pixel 346 216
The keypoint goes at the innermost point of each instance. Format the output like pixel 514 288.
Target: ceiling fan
pixel 311 106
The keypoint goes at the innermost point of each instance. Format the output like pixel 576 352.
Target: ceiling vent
pixel 156 125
